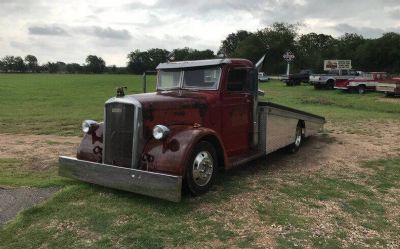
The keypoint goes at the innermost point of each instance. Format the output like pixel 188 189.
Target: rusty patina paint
pixel 91 146
pixel 170 156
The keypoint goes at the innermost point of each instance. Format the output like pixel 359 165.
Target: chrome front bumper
pixel 158 185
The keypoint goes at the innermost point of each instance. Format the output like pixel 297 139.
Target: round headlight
pixel 160 132
pixel 88 126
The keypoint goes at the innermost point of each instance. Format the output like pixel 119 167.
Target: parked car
pixel 328 80
pixel 362 83
pixel 297 78
pixel 391 87
pixel 195 124
pixel 262 77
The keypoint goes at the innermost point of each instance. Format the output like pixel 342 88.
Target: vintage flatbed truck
pixel 204 116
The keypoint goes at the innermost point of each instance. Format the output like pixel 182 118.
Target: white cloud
pixel 70 30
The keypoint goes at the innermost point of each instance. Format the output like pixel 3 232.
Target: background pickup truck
pixel 390 87
pixel 204 117
pixel 263 77
pixel 328 80
pixel 297 78
pixel 362 83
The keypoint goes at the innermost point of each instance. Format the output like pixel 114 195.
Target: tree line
pixel 15 64
pixel 380 54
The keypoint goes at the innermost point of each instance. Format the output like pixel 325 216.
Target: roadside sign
pixel 288 56
pixel 336 64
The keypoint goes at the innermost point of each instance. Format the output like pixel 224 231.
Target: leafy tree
pixel 31 63
pixel 19 65
pixel 13 64
pixel 313 48
pixel 184 54
pixel 57 67
pixel 229 45
pixel 51 67
pixel 279 38
pixel 95 64
pixel 138 61
pixel 74 68
pixel 112 69
pixel 251 48
pixel 156 56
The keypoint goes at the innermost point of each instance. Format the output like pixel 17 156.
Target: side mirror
pixel 260 92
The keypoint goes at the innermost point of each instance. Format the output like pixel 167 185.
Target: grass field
pixel 57 104
pixel 355 205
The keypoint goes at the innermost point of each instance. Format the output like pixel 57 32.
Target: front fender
pixel 91 146
pixel 171 155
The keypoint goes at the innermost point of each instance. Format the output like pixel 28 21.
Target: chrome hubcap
pixel 203 167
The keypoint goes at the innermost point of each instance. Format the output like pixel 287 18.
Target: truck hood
pixel 178 107
pixel 167 100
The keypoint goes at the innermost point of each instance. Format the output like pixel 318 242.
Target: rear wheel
pixel 295 146
pixel 201 169
pixel 361 89
pixel 330 84
pixel 389 94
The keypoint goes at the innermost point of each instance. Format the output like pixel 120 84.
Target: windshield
pixel 189 78
pixel 169 79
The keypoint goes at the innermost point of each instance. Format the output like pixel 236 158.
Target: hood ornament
pixel 120 91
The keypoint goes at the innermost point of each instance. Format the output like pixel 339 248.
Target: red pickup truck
pixel 363 82
pixel 205 116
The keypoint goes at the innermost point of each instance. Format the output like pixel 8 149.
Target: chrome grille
pixel 119 132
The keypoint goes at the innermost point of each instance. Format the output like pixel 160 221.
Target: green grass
pixel 57 104
pixel 283 205
pixel 334 105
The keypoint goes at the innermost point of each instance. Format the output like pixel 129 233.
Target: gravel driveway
pixel 14 200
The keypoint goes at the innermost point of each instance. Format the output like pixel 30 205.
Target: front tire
pixel 201 169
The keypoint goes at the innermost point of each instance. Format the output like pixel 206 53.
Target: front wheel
pixel 201 169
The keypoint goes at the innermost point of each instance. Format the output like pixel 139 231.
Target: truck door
pixel 237 111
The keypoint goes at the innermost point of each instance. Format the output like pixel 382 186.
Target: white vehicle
pixel 262 77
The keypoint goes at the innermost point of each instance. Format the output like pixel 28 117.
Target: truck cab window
pixel 169 79
pixel 201 78
pixel 237 80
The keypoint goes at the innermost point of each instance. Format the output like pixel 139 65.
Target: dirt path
pixel 343 145
pixel 40 150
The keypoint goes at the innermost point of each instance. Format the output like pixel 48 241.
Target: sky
pixel 56 30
